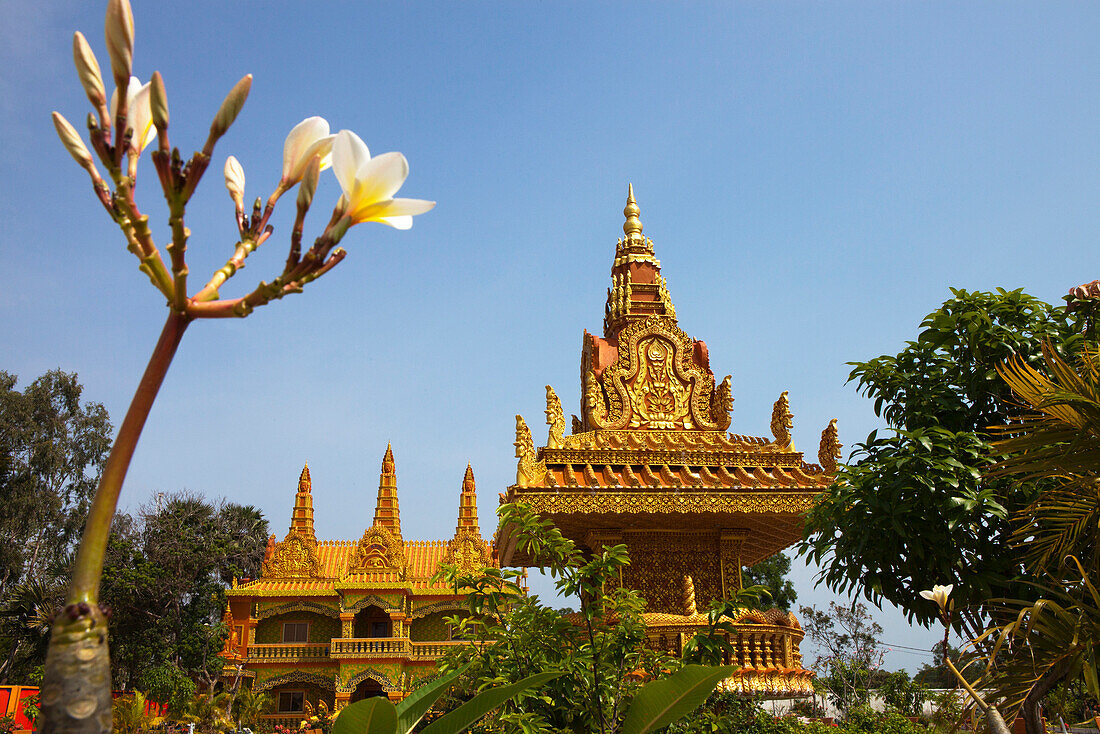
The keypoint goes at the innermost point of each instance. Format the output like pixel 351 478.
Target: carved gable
pixel 467 550
pixel 378 550
pixel 294 557
pixel 659 379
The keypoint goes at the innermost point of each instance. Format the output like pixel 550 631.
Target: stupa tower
pixel 649 464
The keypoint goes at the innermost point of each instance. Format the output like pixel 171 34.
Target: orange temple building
pixel 336 621
pixel 649 464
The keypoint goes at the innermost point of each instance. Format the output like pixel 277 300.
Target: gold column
pixel 729 551
pixel 347 624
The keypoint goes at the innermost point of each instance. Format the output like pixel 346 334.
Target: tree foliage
pixel 52 449
pixel 771 573
pixel 912 508
pixel 164 583
pixel 847 640
pixel 609 680
pixel 1057 637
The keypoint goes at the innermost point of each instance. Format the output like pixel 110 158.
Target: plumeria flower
pixel 939 594
pixel 139 116
pixel 307 139
pixel 370 183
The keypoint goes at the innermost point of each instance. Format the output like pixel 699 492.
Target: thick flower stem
pixel 76 689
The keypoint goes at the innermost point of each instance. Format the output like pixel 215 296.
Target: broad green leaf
pixel 369 716
pixel 470 712
pixel 412 709
pixel 662 702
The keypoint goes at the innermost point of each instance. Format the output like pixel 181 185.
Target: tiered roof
pixel 650 450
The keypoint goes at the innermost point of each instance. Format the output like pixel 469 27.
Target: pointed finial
pixel 467 503
pixel 305 484
pixel 633 226
pixel 386 511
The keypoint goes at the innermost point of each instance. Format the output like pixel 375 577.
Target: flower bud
pixel 231 107
pixel 234 181
pixel 309 182
pixel 87 68
pixel 158 102
pixel 119 29
pixel 72 142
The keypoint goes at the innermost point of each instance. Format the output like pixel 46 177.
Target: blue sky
pixel 814 177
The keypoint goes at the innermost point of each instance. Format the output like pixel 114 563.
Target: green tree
pixel 771 573
pixel 912 508
pixel 164 584
pixel 607 679
pixel 52 449
pixel 848 652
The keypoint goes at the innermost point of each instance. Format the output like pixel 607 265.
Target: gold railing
pixel 369 647
pixel 287 651
pixel 434 650
pixel 349 647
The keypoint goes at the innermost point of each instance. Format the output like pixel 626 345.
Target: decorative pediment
pixel 658 380
pixel 468 551
pixel 378 550
pixel 293 558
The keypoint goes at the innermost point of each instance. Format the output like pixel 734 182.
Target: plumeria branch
pixel 76 690
pixel 941 596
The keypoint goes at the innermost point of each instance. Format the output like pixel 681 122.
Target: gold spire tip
pixel 633 226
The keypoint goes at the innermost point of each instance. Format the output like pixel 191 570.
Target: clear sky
pixel 814 176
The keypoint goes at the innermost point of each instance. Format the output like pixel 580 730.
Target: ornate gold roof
pixel 300 565
pixel 650 449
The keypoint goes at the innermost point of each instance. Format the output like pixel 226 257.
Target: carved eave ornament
pixel 655 382
pixel 378 550
pixel 468 551
pixel 295 557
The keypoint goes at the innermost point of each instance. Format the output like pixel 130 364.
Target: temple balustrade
pixel 288 651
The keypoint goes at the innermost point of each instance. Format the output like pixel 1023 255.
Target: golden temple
pixel 649 464
pixel 334 621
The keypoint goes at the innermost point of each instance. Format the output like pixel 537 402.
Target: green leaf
pixel 470 712
pixel 369 716
pixel 662 702
pixel 411 710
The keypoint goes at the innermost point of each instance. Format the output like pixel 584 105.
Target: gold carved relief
pixel 782 421
pixel 468 551
pixel 555 419
pixel 378 549
pixel 659 557
pixel 829 451
pixel 529 471
pixel 294 557
pixel 654 383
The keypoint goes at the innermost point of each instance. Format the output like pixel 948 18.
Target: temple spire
pixel 637 289
pixel 386 512
pixel 301 517
pixel 632 228
pixel 467 504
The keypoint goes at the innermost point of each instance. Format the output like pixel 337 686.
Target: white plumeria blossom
pixel 370 183
pixel 938 594
pixel 139 116
pixel 307 139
